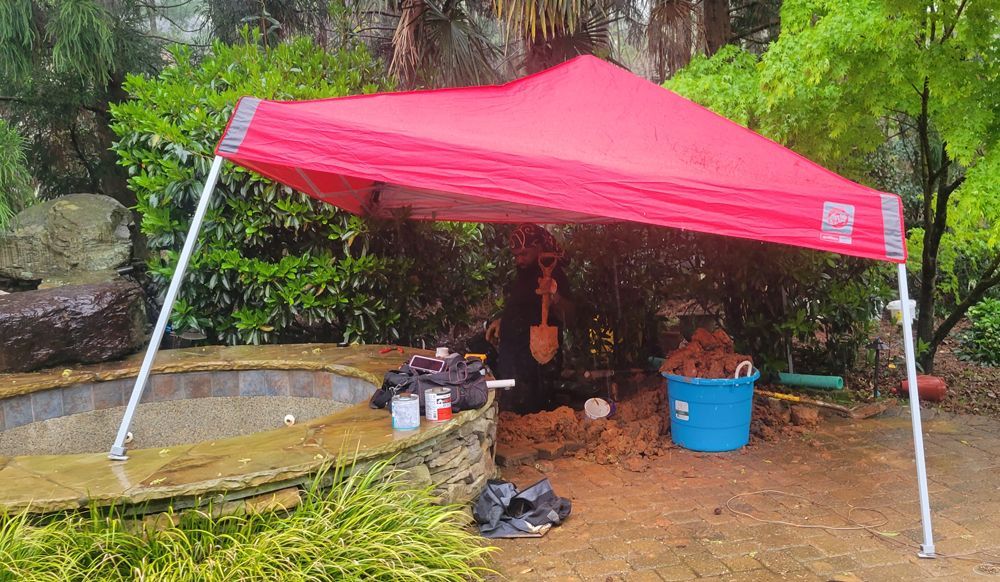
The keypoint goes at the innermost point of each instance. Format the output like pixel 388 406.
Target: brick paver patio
pixel 670 523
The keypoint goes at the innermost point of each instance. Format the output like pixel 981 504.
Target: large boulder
pixel 76 323
pixel 72 234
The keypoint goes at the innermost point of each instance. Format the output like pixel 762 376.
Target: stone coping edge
pixel 218 359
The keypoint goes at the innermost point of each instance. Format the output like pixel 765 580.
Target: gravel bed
pixel 162 424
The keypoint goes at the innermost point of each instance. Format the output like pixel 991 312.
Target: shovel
pixel 545 338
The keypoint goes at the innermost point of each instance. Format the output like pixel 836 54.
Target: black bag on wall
pixel 465 377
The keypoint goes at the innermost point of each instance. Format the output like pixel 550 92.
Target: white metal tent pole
pixel 118 448
pixel 927 548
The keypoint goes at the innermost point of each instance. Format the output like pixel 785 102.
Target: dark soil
pixel 972 388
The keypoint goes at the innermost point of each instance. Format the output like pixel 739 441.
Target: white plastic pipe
pixel 494 384
pixel 927 548
pixel 118 448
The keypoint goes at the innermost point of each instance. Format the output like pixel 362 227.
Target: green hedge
pixel 273 264
pixel 981 342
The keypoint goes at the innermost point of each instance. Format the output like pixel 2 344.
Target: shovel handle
pixel 545 310
pixel 547 263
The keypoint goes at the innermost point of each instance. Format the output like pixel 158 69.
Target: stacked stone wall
pixel 456 463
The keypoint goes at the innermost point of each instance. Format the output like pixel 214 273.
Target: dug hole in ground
pixel 639 428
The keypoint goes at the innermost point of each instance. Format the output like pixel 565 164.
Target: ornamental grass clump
pixel 367 525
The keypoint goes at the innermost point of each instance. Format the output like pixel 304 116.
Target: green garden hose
pixel 812 381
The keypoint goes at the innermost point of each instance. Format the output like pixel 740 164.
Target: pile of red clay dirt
pixel 638 430
pixel 707 355
pixel 773 419
pixel 633 435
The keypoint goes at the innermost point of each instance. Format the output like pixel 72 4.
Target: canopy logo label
pixel 838 222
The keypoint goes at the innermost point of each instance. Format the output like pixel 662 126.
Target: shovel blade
pixel 544 343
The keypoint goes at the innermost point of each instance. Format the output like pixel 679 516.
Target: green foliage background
pixel 15 180
pixel 61 64
pixel 897 94
pixel 273 264
pixel 981 342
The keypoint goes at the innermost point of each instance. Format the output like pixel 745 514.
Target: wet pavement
pixel 672 521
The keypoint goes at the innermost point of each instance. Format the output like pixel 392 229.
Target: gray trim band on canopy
pixel 241 124
pixel 892 226
pixel 310 183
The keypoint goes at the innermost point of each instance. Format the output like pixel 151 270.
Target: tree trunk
pixel 928 260
pixel 151 15
pixel 717 30
pixel 111 177
pixel 925 307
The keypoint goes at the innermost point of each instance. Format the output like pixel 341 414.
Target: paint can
pixel 405 412
pixel 437 404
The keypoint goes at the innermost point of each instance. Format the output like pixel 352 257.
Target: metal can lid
pixel 439 390
pixel 405 396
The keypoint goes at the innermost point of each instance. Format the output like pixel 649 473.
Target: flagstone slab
pixel 92 476
pixel 24 490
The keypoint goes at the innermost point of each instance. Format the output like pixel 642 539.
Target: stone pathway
pixel 671 522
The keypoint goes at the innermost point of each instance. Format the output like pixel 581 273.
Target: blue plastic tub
pixel 710 415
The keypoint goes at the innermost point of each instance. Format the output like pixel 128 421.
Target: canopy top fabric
pixel 585 141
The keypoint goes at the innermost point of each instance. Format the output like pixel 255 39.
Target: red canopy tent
pixel 585 141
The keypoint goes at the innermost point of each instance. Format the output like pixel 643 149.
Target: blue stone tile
pixel 258 383
pixel 300 383
pixel 362 390
pixel 343 389
pixel 108 394
pixel 225 384
pixel 279 381
pixel 17 411
pixel 47 404
pixel 77 399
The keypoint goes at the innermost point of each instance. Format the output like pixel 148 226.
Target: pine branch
pixel 156 6
pixel 175 41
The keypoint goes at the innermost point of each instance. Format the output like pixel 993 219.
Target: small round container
pixel 596 408
pixel 437 405
pixel 896 310
pixel 405 412
pixel 442 352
